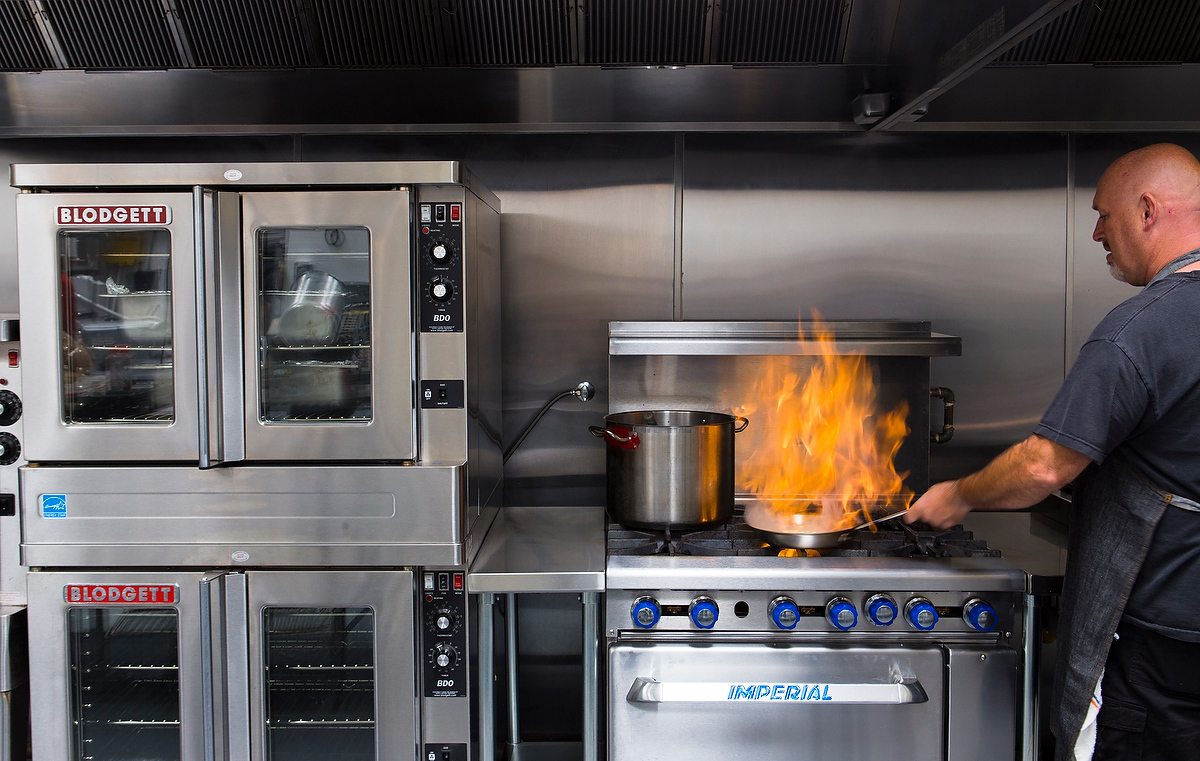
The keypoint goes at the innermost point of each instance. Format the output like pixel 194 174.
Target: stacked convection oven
pixel 262 420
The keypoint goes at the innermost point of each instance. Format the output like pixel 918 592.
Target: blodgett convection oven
pixel 233 368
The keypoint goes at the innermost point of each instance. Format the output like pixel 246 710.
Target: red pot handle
pixel 622 438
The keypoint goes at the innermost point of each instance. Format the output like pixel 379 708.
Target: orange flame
pixel 821 456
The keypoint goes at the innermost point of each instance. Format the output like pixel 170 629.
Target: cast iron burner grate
pixel 735 539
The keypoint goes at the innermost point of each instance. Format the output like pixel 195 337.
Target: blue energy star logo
pixel 54 505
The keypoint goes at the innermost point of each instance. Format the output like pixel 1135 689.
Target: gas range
pixel 721 644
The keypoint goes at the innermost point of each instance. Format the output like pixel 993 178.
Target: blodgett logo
pixel 779 692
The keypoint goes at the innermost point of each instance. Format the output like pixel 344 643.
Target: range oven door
pixel 329 344
pixel 108 307
pixel 331 664
pixel 117 665
pixel 724 701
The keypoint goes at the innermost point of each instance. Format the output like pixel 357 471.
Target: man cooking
pixel 1126 427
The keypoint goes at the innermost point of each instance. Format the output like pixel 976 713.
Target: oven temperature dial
pixel 645 612
pixel 703 612
pixel 882 610
pixel 841 613
pixel 979 615
pixel 445 656
pixel 921 614
pixel 784 612
pixel 10 408
pixel 444 621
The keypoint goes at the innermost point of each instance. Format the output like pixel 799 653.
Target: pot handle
pixel 612 437
pixel 947 432
pixel 744 421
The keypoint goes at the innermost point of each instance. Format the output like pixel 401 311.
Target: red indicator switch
pixel 14 359
pixel 458 582
pixel 455 212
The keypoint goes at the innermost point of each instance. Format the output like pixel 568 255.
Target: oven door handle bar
pixel 645 690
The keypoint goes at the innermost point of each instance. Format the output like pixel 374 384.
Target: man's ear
pixel 1149 209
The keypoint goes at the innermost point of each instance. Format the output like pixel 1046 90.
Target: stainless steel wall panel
pixel 965 232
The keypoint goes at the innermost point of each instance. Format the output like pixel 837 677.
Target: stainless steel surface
pixel 670 468
pixel 227 430
pixel 511 659
pixel 591 676
pixel 48 438
pixel 12 566
pixel 758 573
pixel 487 667
pixel 389 595
pixel 706 338
pixel 214 704
pixel 985 687
pixel 10 330
pixel 49 674
pixel 915 228
pixel 647 690
pixel 1030 699
pixel 542 549
pixel 388 434
pixel 726 729
pixel 338 515
pixel 237 667
pixel 803 540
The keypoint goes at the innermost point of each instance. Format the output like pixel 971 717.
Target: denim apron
pixel 1114 512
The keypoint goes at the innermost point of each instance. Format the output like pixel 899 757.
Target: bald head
pixel 1149 206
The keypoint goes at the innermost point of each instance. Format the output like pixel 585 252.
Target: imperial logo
pixel 122 594
pixel 113 215
pixel 779 692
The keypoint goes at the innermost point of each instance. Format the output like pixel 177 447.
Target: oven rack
pixel 318 685
pixel 320 723
pixel 161 621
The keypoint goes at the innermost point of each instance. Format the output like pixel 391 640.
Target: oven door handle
pixel 646 690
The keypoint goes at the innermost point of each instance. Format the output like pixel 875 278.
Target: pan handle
pixel 947 432
pixel 744 421
pixel 617 440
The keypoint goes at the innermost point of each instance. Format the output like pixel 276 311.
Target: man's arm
pixel 1023 475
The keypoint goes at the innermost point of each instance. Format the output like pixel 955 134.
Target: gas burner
pixel 893 538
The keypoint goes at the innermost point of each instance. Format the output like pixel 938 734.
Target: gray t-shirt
pixel 1136 384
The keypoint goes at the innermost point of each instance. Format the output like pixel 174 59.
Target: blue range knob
pixel 979 615
pixel 841 613
pixel 784 612
pixel 921 614
pixel 645 612
pixel 882 610
pixel 703 612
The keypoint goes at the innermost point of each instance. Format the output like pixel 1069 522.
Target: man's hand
pixel 940 507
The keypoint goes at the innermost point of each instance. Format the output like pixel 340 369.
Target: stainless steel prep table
pixel 540 550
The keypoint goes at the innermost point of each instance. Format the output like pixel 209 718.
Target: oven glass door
pixel 108 295
pixel 329 326
pixel 332 670
pixel 117 673
pixel 723 700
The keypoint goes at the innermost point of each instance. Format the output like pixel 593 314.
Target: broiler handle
pixel 947 432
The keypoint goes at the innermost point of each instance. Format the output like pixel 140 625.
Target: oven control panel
pixel 440 266
pixel 444 633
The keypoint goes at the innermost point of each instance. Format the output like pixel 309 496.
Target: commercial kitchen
pixel 396 379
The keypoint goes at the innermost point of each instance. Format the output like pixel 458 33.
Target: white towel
pixel 1085 744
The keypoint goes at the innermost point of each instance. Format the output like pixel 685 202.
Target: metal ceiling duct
pixel 377 33
pixel 113 34
pixel 248 34
pixel 21 46
pixel 1050 44
pixel 1144 31
pixel 645 32
pixel 508 32
pixel 781 31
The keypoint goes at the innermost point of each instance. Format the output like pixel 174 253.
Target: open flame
pixel 821 457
